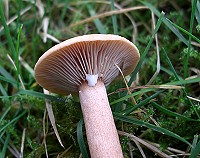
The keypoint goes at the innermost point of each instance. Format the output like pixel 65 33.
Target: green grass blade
pixel 194 143
pixel 5 97
pixel 17 50
pixel 114 18
pixel 182 82
pixel 186 57
pixel 146 49
pixel 197 12
pixel 27 67
pixel 81 140
pixel 16 118
pixel 168 72
pixel 171 113
pixel 9 81
pixel 64 11
pixel 6 29
pixel 170 64
pixel 19 2
pixel 40 95
pixel 4 114
pixel 195 140
pixel 3 91
pixel 184 31
pixel 194 153
pixel 148 125
pixel 5 146
pixel 7 75
pixel 142 103
pixel 164 69
pixel 131 95
pixel 170 26
pixel 97 22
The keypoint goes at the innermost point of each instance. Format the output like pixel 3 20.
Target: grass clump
pixel 164 122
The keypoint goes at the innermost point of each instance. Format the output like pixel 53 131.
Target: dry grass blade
pixel 7 9
pixel 165 87
pixel 168 148
pixel 198 100
pixel 22 143
pixel 44 34
pixel 50 37
pixel 195 44
pixel 149 146
pixel 114 12
pixel 15 17
pixel 157 50
pixel 197 71
pixel 130 149
pixel 52 118
pixel 45 133
pixel 26 66
pixel 19 77
pixel 140 148
pixel 45 24
pixel 40 7
pixel 135 30
pixel 148 87
pixel 129 92
pixel 13 150
pixel 64 153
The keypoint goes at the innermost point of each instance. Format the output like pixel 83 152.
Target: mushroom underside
pixel 66 69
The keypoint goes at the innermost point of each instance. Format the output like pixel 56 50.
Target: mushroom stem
pixel 102 136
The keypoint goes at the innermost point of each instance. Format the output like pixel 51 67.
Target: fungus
pixel 85 65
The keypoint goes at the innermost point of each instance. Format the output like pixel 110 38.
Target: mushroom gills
pixel 91 79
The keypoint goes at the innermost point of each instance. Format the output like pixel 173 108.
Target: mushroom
pixel 85 65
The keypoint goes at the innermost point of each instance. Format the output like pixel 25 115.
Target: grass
pixel 166 118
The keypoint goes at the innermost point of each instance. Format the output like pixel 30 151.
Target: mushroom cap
pixel 63 68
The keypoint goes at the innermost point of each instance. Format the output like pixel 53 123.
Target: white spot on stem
pixel 91 79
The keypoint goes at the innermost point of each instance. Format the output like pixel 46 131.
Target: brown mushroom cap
pixel 63 68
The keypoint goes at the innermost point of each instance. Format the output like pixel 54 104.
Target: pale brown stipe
pixel 99 123
pixel 86 64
